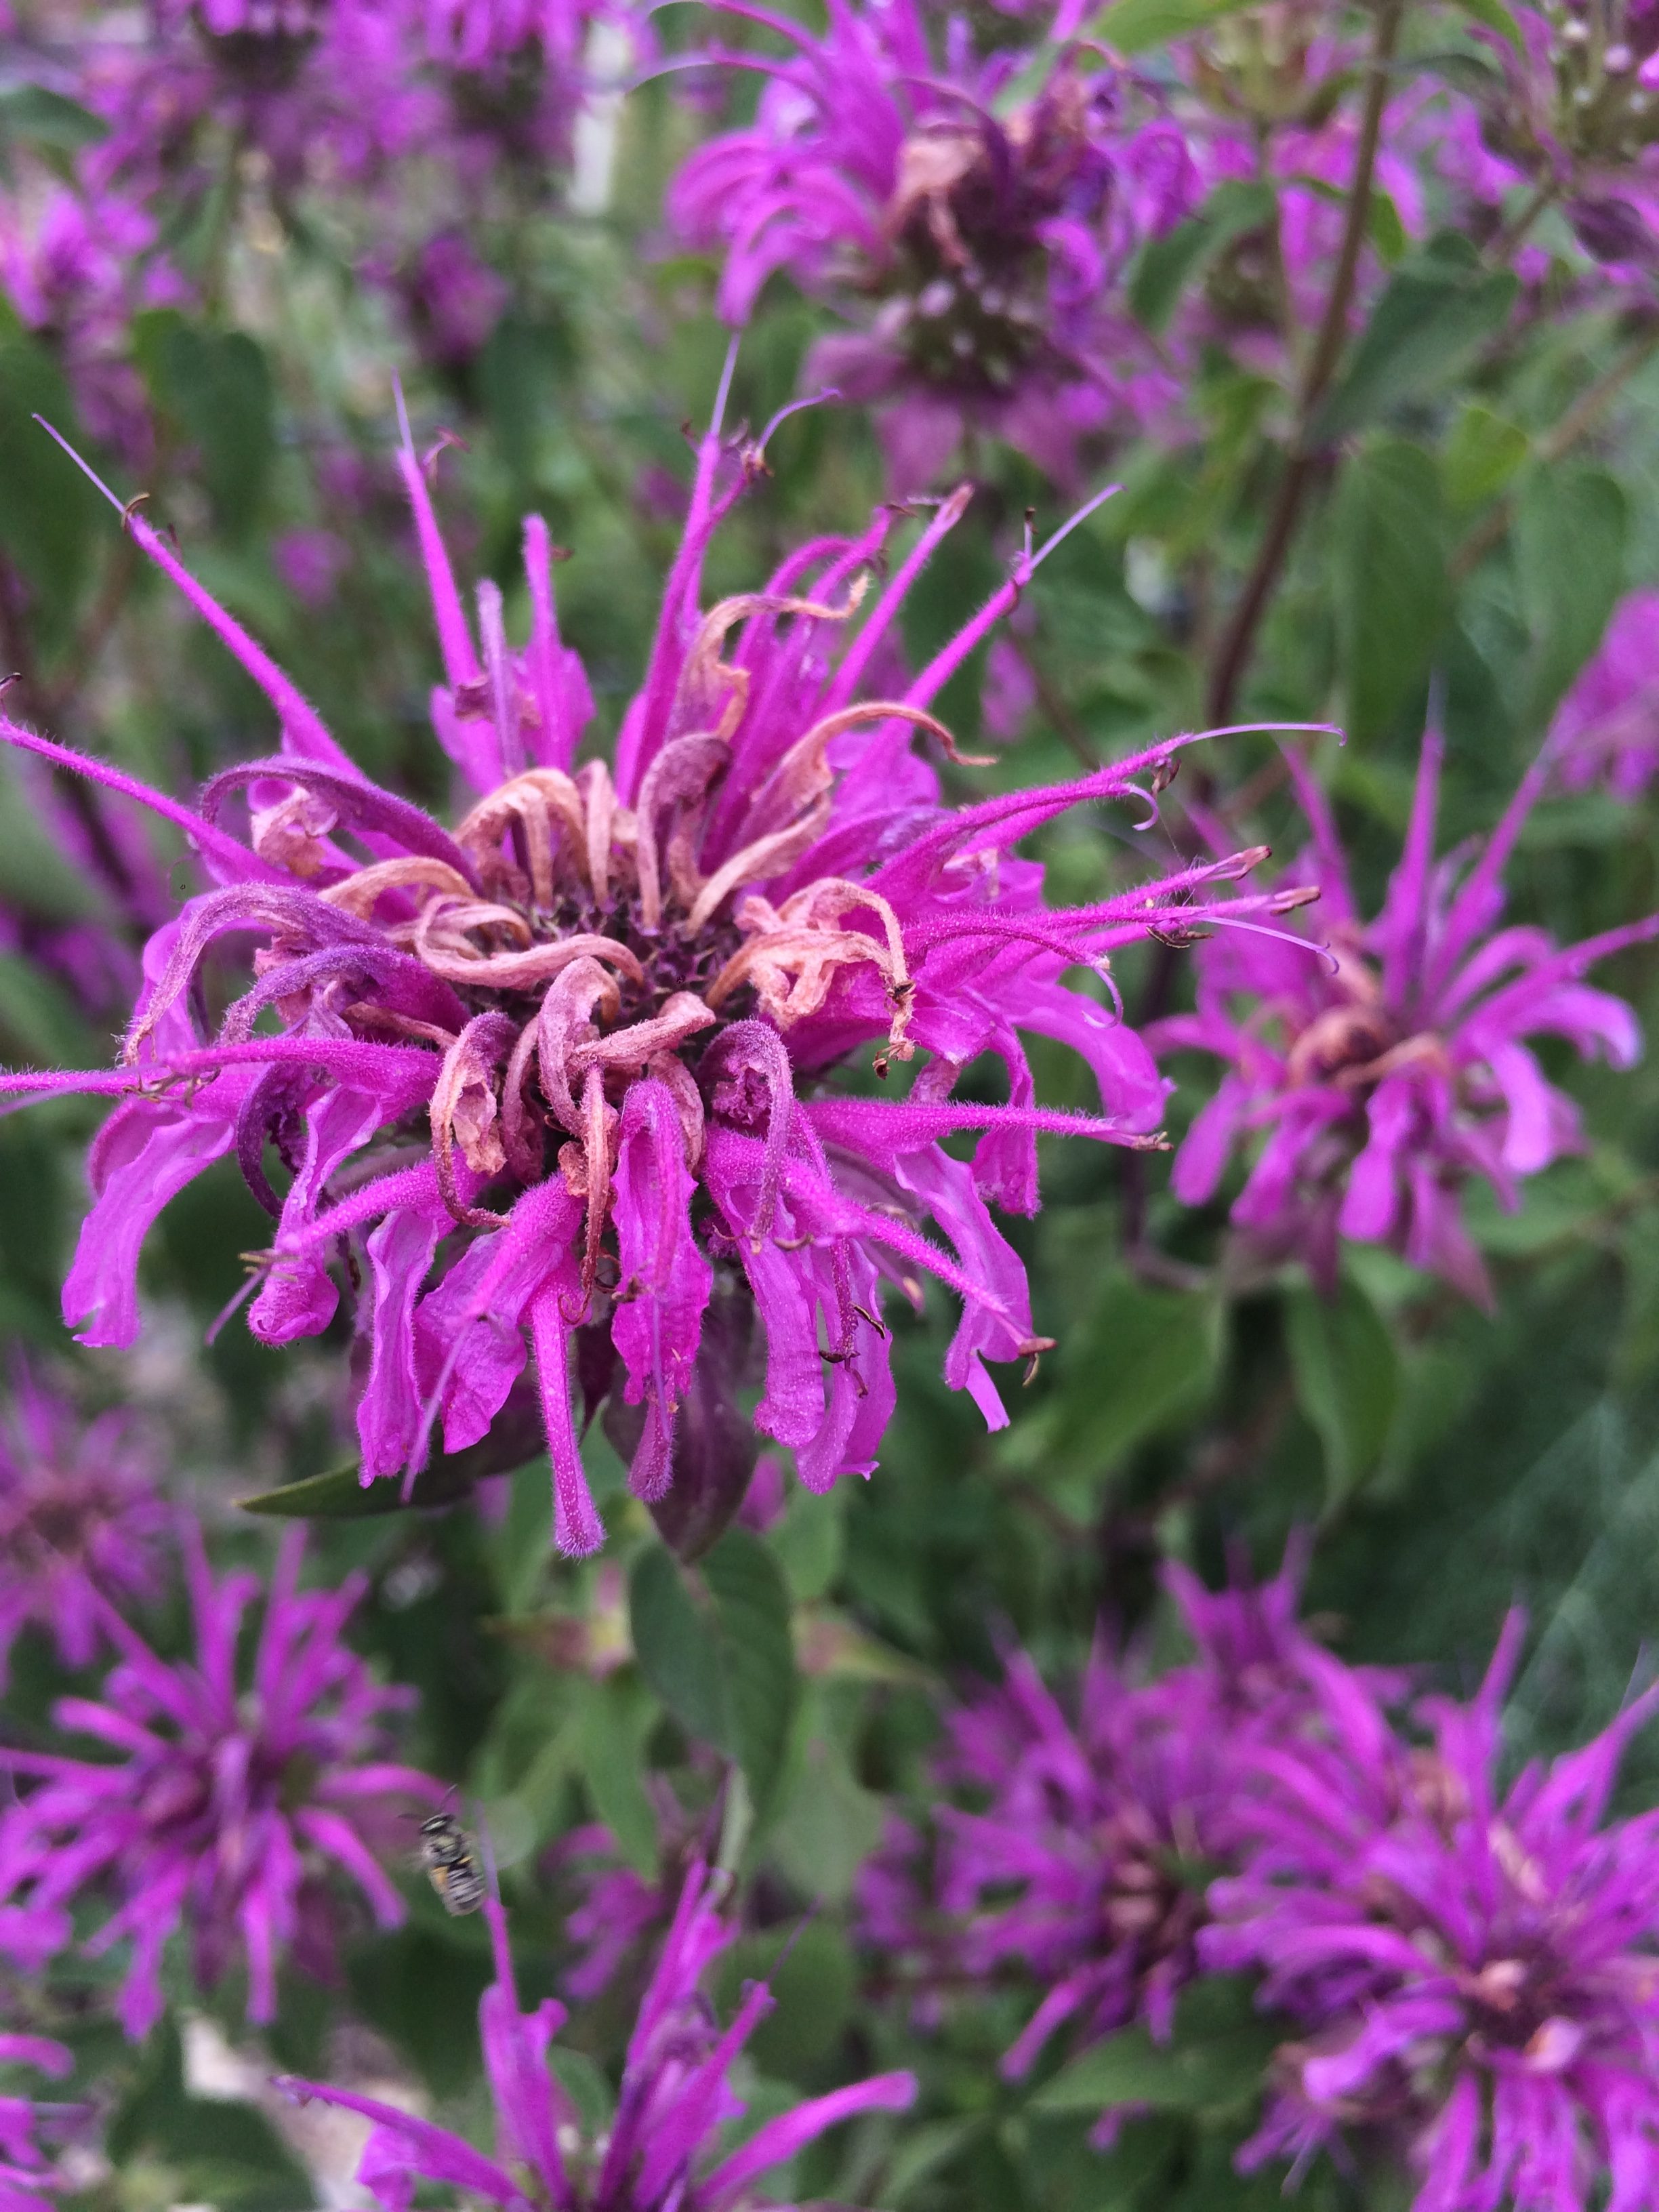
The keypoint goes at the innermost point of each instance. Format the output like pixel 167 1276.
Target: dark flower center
pixel 969 301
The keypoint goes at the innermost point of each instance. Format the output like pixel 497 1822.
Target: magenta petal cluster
pixel 79 1517
pixel 662 2152
pixel 1086 1862
pixel 25 2172
pixel 567 1066
pixel 223 1807
pixel 976 231
pixel 1606 731
pixel 1471 1969
pixel 1369 1082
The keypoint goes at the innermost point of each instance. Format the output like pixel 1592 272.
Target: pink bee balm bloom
pixel 1388 1074
pixel 79 1515
pixel 661 2152
pixel 1474 1972
pixel 1087 1863
pixel 25 2172
pixel 978 245
pixel 1606 729
pixel 223 1807
pixel 563 1072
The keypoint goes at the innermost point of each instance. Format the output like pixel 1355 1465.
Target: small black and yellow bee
pixel 451 1863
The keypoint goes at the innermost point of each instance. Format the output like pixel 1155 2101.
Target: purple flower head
pixel 1606 729
pixel 661 2152
pixel 617 1916
pixel 453 299
pixel 1381 1077
pixel 79 1515
pixel 77 261
pixel 564 1072
pixel 616 1909
pixel 310 563
pixel 976 247
pixel 1086 1862
pixel 515 73
pixel 222 1807
pixel 1472 1970
pixel 25 2171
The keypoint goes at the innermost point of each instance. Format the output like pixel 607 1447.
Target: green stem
pixel 1301 462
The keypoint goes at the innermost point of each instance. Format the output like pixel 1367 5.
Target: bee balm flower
pixel 1382 1080
pixel 1606 729
pixel 1086 1860
pixel 661 2153
pixel 223 1809
pixel 978 237
pixel 565 1071
pixel 78 1515
pixel 1473 1971
pixel 25 2172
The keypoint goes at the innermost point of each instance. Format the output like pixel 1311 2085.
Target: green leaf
pixel 617 1715
pixel 810 1973
pixel 1482 453
pixel 1570 524
pixel 1346 1373
pixel 416 1984
pixel 921 2151
pixel 1216 2059
pixel 340 1494
pixel 522 368
pixel 811 1540
pixel 32 115
pixel 582 2079
pixel 48 511
pixel 1496 16
pixel 757 1655
pixel 678 1645
pixel 217 387
pixel 1144 1359
pixel 1387 229
pixel 39 1021
pixel 1436 308
pixel 1165 264
pixel 830 1823
pixel 1392 589
pixel 1132 26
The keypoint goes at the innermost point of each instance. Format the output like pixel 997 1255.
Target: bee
pixel 451 1863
